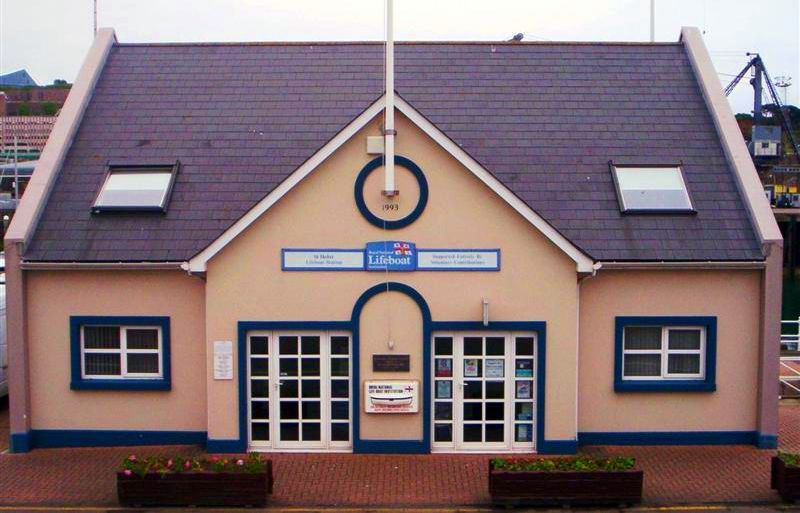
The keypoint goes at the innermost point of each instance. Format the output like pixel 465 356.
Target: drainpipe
pixel 595 267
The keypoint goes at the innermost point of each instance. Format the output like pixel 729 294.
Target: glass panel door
pixel 340 372
pixel 259 389
pixel 299 413
pixel 483 391
pixel 299 390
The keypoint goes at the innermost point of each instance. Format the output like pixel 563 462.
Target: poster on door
pixel 495 368
pixel 391 396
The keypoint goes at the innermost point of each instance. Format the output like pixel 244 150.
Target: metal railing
pixel 790 359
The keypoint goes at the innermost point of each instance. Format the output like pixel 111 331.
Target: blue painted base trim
pixel 49 438
pixel 670 438
pixel 558 447
pixel 226 446
pixel 20 442
pixel 767 441
pixel 390 447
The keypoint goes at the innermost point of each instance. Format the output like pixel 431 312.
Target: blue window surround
pixel 371 166
pixel 80 383
pixel 428 327
pixel 706 384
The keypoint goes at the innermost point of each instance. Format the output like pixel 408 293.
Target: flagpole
pixel 389 131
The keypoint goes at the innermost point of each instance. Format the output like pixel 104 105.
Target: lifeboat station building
pixel 575 249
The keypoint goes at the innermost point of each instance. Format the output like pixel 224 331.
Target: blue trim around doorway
pixel 422 446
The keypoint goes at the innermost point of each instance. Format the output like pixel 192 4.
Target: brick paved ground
pixel 673 475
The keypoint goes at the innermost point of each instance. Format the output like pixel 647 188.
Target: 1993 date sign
pixel 195 489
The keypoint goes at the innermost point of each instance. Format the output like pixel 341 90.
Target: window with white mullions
pixel 299 390
pixel 120 352
pixel 663 352
pixel 484 391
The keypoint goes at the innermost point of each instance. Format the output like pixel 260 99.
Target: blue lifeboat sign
pixel 391 256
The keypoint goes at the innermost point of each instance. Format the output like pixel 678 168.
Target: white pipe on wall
pixel 389 131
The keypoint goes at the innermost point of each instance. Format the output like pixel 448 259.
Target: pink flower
pixel 127 472
pixel 240 463
pixel 132 457
pixel 187 464
pixel 169 463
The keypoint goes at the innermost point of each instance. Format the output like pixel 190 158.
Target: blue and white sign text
pixel 322 260
pixel 390 256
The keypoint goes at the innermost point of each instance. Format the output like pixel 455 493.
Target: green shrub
pixel 576 464
pixel 791 459
pixel 251 464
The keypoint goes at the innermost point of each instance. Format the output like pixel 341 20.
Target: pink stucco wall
pixel 732 296
pixel 52 297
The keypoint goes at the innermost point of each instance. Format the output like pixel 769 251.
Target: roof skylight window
pixel 651 189
pixel 135 188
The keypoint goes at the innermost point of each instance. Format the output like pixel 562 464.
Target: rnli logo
pixel 391 256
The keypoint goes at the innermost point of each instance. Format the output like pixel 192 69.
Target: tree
pixel 24 110
pixel 49 108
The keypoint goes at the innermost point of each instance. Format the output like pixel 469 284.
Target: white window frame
pixel 123 351
pixel 654 209
pixel 665 352
pixel 457 445
pixel 273 380
pixel 112 170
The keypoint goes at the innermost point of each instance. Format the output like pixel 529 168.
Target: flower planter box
pixel 565 488
pixel 195 488
pixel 785 480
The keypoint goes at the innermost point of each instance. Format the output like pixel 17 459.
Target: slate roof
pixel 545 118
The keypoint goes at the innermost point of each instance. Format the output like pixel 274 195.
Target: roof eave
pixel 733 144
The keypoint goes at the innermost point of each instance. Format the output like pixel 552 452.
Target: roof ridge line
pixel 403 43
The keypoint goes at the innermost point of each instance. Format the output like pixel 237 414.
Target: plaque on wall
pixel 391 396
pixel 391 363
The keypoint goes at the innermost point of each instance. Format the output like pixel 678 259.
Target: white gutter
pixel 731 137
pixel 671 266
pixel 389 130
pixel 115 266
pixel 55 151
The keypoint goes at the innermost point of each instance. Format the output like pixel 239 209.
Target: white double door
pixel 484 392
pixel 299 390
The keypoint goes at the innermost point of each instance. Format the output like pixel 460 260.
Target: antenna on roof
pixel 95 17
pixel 517 37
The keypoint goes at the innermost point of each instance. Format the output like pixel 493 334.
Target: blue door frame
pixel 428 327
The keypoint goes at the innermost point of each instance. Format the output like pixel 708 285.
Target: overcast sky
pixel 49 38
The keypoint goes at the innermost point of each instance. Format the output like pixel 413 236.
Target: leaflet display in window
pixel 524 369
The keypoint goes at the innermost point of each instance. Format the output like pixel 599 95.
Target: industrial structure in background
pixel 774 147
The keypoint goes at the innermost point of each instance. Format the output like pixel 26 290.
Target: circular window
pixel 385 216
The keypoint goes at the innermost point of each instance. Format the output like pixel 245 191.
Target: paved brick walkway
pixel 673 475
